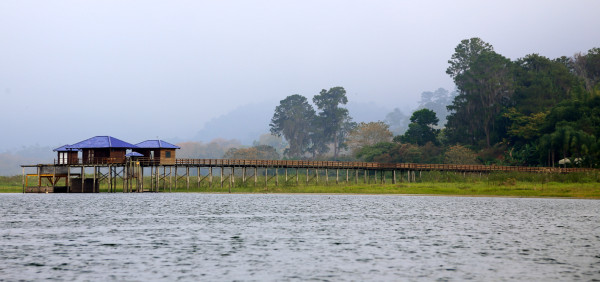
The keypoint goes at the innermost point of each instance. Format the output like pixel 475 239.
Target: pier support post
pixel 307 176
pixel 210 177
pixel 68 184
pixel 94 181
pixel 394 177
pixel 54 178
pixel 276 176
pixel 221 177
pixel 187 177
pixel 82 178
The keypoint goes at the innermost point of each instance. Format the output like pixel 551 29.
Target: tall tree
pixel 293 119
pixel 332 118
pixel 484 80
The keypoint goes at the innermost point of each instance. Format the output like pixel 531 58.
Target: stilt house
pixel 157 151
pixel 102 150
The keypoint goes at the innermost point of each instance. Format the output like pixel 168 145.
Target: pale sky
pixel 136 70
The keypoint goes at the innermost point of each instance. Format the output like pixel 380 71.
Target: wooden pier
pixel 127 175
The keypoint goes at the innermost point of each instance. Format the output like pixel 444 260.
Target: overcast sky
pixel 136 70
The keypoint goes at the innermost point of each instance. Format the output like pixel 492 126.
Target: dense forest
pixel 533 111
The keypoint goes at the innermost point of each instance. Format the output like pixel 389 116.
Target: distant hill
pixel 245 123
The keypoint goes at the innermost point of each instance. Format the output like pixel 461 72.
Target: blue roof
pixel 102 142
pixel 64 148
pixel 156 144
pixel 134 154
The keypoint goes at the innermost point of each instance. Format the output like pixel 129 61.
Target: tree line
pixel 531 111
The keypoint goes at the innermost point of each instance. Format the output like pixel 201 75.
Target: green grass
pixel 575 185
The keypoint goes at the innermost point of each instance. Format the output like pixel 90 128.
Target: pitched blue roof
pixel 102 142
pixel 64 149
pixel 156 144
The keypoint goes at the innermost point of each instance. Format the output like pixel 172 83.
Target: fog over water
pixel 296 237
pixel 139 70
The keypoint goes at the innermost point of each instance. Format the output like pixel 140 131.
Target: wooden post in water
pixel 326 177
pixel 276 176
pixel 175 184
pixel 54 178
pixel 68 179
pixel 255 176
pixel 337 176
pixel 198 175
pixel 297 178
pixel 82 178
pixel 222 177
pixel 94 183
pixel 356 176
pixel 231 178
pixel 39 174
pixel 187 177
pixel 317 175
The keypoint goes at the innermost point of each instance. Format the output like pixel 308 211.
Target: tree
pixel 333 119
pixel 587 67
pixel 294 118
pixel 485 87
pixel 438 102
pixel 366 134
pixel 397 121
pixel 421 129
pixel 465 55
pixel 541 83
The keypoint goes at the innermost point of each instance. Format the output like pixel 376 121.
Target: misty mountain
pixel 245 123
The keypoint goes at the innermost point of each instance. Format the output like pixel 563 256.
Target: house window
pixel 168 154
pixel 62 157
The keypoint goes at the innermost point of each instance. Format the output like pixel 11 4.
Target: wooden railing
pixel 325 165
pixel 369 165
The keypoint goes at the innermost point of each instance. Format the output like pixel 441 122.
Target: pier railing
pixel 144 161
pixel 369 165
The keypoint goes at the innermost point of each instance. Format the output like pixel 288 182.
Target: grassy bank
pixel 575 185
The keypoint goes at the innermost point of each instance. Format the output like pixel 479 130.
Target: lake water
pixel 140 237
